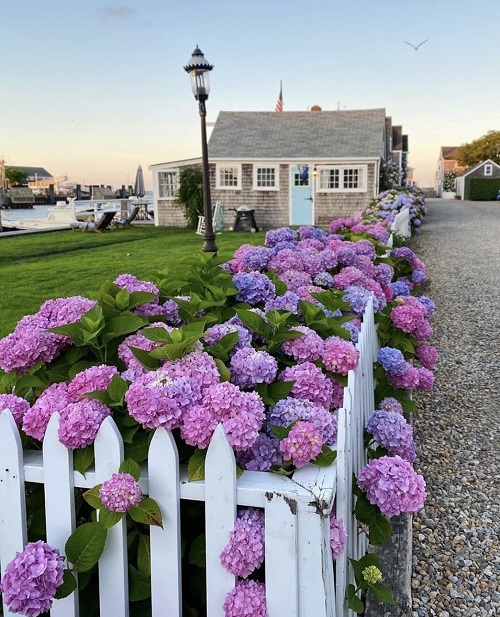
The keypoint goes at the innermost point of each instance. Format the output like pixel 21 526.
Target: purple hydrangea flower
pixel 248 598
pixel 391 431
pixel 289 301
pixel 302 445
pixel 120 492
pixel 257 257
pixel 408 379
pixel 310 383
pixel 384 274
pixel 214 334
pixel 36 419
pixel 418 277
pixel 358 298
pixel 428 304
pixel 253 287
pixel 425 379
pixel 250 367
pixel 353 330
pixel 31 579
pixel 306 348
pixel 399 288
pixel 80 422
pixel 263 454
pixel 338 535
pixel 283 234
pixel 323 279
pixel 391 483
pixel 391 404
pixel 392 360
pixel 131 283
pixel 288 410
pixel 407 318
pixel 340 356
pixel 244 552
pixel 17 406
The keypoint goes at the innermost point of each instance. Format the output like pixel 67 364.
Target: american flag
pixel 279 102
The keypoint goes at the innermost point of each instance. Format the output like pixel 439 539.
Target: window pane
pixel 351 178
pixel 167 184
pixel 329 178
pixel 266 177
pixel 228 176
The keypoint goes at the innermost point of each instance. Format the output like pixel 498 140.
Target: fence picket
pixel 220 514
pixel 13 534
pixel 281 556
pixel 163 476
pixel 59 503
pixel 113 564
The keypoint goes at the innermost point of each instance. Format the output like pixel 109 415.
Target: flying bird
pixel 415 47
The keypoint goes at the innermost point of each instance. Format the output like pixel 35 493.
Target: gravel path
pixel 456 543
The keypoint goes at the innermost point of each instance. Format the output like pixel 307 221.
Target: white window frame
pixel 168 190
pixel 488 169
pixel 235 167
pixel 363 173
pixel 274 167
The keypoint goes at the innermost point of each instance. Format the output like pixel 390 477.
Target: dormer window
pixel 488 170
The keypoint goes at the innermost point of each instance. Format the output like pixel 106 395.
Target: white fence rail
pixel 298 561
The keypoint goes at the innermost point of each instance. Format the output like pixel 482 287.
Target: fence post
pixel 163 476
pixel 220 515
pixel 113 564
pixel 13 535
pixel 58 484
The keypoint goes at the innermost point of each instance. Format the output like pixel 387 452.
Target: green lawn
pixel 36 267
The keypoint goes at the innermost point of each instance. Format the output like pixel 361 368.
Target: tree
pixel 15 175
pixel 479 150
pixel 190 194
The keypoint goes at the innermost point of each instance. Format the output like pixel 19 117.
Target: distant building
pixel 290 168
pixel 34 173
pixel 447 161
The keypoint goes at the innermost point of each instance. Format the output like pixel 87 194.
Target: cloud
pixel 119 12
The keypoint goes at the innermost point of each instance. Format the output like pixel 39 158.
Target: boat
pixel 59 217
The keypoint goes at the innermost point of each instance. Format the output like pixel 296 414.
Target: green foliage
pixel 449 181
pixel 481 149
pixel 378 589
pixel 483 189
pixel 190 194
pixel 85 546
pixel 15 176
pixel 389 176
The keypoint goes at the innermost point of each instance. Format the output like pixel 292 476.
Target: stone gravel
pixel 456 536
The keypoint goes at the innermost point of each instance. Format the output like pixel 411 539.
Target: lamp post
pixel 199 68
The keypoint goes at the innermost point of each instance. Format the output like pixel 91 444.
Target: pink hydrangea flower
pixel 303 444
pixel 31 579
pixel 120 492
pixel 306 348
pixel 392 484
pixel 80 422
pixel 158 399
pixel 407 318
pixel 198 426
pixel 36 419
pixel 244 552
pixel 423 331
pixel 340 356
pixel 247 599
pixel 407 380
pixel 241 413
pixel 427 355
pixel 310 383
pixel 17 406
pixel 92 379
pixel 337 394
pixel 338 535
pixel 425 379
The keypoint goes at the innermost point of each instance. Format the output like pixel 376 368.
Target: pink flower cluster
pixel 306 348
pixel 80 422
pixel 391 483
pixel 31 579
pixel 120 492
pixel 310 383
pixel 247 599
pixel 303 444
pixel 338 536
pixel 18 406
pixel 31 342
pixel 241 414
pixel 340 356
pixel 244 552
pixel 54 398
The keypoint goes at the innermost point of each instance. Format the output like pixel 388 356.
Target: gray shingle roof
pixel 298 134
pixel 40 172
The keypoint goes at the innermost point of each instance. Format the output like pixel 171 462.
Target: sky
pixel 94 89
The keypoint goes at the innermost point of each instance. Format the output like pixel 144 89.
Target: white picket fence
pixel 301 579
pixel 401 224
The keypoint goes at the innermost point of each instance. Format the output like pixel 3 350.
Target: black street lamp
pixel 199 68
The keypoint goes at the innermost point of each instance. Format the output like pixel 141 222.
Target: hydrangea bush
pixel 261 344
